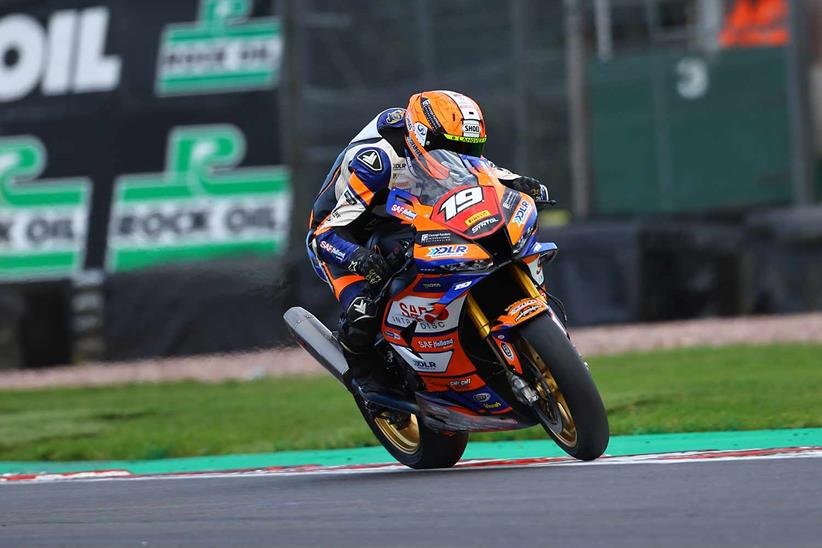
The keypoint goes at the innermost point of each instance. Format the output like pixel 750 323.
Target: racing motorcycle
pixel 469 333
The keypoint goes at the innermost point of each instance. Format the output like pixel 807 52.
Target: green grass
pixel 691 390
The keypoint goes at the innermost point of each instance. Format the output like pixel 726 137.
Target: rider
pixel 351 205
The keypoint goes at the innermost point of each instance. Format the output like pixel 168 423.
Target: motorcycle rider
pixel 351 204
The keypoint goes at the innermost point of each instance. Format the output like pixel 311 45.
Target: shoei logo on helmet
pixel 471 128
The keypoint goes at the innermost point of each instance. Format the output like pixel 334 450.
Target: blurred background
pixel 158 159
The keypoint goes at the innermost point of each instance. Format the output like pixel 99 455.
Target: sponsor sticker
pixel 477 217
pixel 446 251
pixel 522 212
pixel 435 344
pixel 460 383
pixel 432 238
pixel 507 351
pixel 421 131
pixel 482 397
pixel 510 197
pixel 337 253
pixel 471 128
pixel 484 224
pixel 403 211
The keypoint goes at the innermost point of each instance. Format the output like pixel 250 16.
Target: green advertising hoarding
pixel 677 133
pixel 42 222
pixel 202 206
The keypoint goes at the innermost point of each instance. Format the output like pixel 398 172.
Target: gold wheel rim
pixel 568 435
pixel 406 439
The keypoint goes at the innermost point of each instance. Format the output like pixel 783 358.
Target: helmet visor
pixel 469 146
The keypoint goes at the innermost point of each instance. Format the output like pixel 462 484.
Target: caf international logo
pixel 223 51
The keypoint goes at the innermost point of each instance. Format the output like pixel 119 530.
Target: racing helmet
pixel 443 120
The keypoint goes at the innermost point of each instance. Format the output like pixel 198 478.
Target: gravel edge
pixel 591 341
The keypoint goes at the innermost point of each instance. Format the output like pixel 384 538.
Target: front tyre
pixel 570 407
pixel 411 442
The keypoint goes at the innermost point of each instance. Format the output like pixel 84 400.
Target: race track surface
pixel 768 502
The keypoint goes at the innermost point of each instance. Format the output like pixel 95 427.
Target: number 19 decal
pixel 461 201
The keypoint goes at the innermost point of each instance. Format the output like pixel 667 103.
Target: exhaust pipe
pixel 317 340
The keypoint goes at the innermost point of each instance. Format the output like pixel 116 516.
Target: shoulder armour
pixel 372 166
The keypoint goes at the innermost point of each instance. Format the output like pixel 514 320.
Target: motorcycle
pixel 468 333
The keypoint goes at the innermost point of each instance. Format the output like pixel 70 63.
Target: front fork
pixel 505 352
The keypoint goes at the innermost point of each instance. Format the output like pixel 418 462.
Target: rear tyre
pixel 411 442
pixel 570 408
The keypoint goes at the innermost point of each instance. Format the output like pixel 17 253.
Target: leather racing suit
pixel 349 207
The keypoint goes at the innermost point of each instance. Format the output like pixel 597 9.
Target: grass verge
pixel 687 390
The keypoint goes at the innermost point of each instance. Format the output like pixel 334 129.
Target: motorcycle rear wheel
pixel 414 444
pixel 570 408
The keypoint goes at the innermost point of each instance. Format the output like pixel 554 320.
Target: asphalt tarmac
pixel 747 503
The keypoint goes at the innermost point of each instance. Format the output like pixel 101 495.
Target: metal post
pixel 520 64
pixel 576 60
pixel 602 24
pixel 799 106
pixel 290 97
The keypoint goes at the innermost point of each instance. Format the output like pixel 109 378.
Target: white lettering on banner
pixel 143 225
pixel 75 41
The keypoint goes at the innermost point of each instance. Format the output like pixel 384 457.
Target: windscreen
pixel 461 172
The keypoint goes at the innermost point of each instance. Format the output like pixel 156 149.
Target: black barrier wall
pixel 134 134
pixel 146 208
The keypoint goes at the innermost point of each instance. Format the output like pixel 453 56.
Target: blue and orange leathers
pixel 423 321
pixel 342 215
pixel 350 205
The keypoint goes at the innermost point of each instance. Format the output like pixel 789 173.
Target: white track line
pixel 474 464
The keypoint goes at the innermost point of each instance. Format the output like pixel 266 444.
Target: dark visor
pixel 471 146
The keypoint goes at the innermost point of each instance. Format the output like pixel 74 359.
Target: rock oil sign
pixel 221 52
pixel 203 206
pixel 42 222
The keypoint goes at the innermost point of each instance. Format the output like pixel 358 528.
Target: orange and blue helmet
pixel 443 120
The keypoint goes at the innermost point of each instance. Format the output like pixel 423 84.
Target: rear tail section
pixel 317 340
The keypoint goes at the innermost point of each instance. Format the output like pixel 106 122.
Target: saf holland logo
pixel 67 56
pixel 371 158
pixel 202 206
pixel 223 51
pixel 42 222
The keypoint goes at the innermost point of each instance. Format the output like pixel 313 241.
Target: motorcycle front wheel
pixel 569 408
pixel 411 442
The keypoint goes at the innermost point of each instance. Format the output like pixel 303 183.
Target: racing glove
pixel 531 187
pixel 371 266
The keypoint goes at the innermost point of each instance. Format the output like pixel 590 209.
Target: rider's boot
pixel 356 336
pixel 369 375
